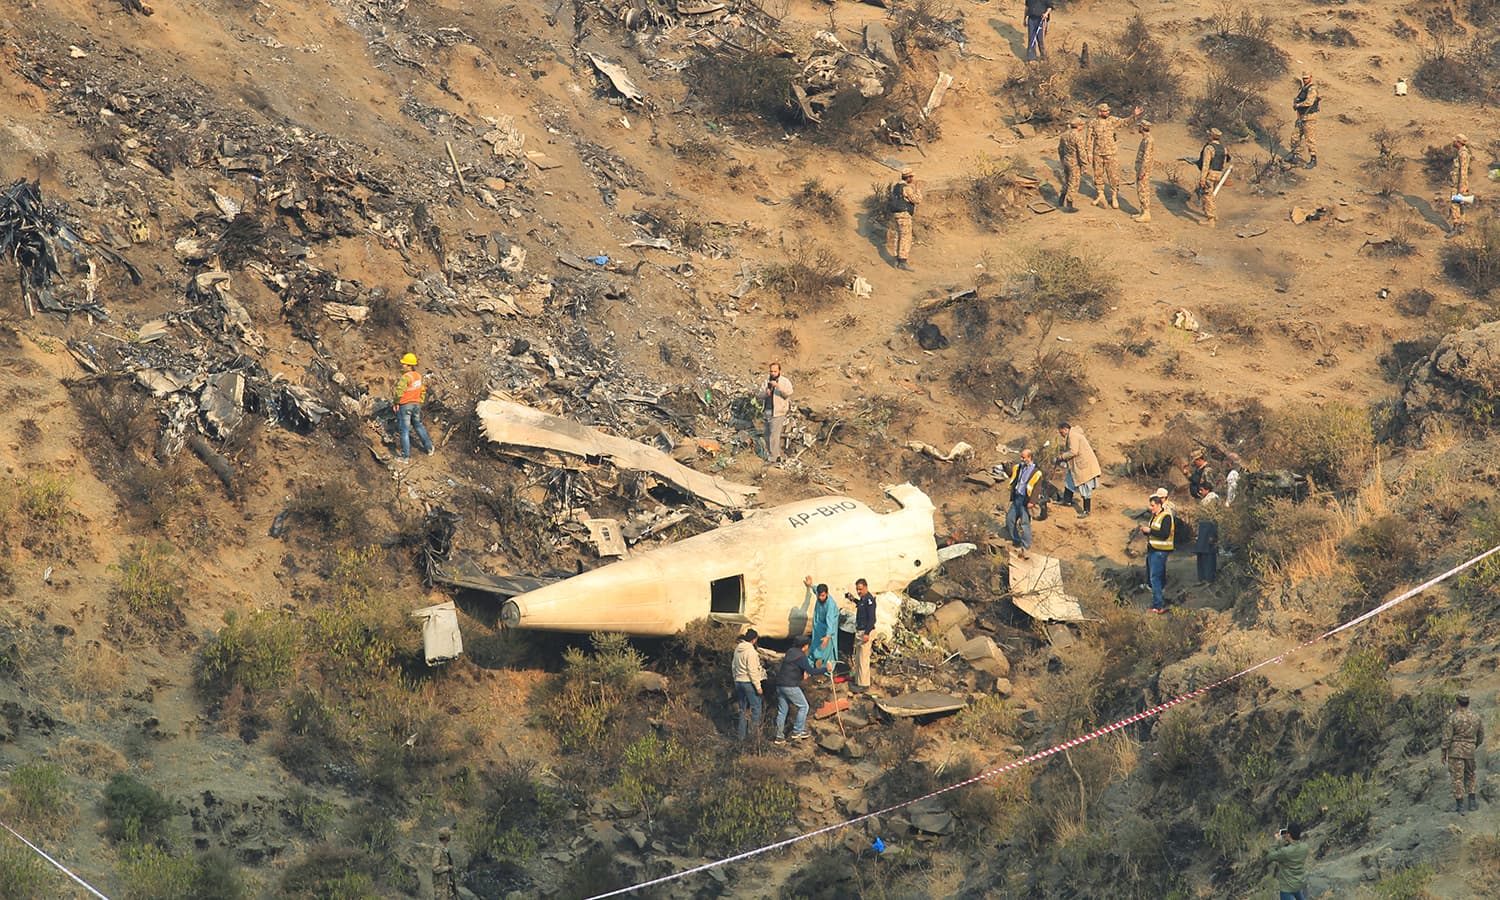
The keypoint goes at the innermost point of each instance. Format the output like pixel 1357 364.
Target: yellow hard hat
pixel 409 359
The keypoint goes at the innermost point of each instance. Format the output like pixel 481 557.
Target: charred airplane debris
pixel 37 238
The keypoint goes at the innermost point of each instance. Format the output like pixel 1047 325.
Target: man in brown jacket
pixel 1082 468
pixel 1462 734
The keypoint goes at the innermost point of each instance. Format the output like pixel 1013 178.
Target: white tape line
pixel 1058 748
pixel 55 864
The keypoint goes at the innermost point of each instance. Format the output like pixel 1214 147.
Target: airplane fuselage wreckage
pixel 748 572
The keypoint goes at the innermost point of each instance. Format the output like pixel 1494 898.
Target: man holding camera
pixel 776 400
pixel 1289 856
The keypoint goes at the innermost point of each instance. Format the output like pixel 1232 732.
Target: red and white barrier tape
pixel 55 864
pixel 1057 748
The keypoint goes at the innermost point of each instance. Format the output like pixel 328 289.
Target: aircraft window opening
pixel 727 595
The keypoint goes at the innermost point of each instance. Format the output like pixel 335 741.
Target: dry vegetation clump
pixel 38 796
pixel 1042 92
pixel 926 25
pixel 1473 260
pixel 1460 75
pixel 1383 552
pixel 1233 100
pixel 1133 69
pixel 1159 455
pixel 1415 302
pixel 996 189
pixel 810 276
pixel 814 198
pixel 1060 284
pixel 149 593
pixel 1387 170
pixel 1333 443
pixel 755 86
pixel 1241 38
pixel 336 508
pixel 675 222
pixel 1437 162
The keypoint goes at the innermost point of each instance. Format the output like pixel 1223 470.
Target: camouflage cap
pixel 1078 120
pixel 1214 132
pixel 1461 139
pixel 1146 124
pixel 1463 697
pixel 445 834
pixel 1199 454
pixel 1103 107
pixel 908 172
pixel 1306 75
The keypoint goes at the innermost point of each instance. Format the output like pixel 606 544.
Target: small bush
pixel 45 499
pixel 1405 883
pixel 313 738
pixel 1183 743
pixel 23 875
pixel 255 652
pixel 150 872
pixel 1359 709
pixel 1241 39
pixel 1383 552
pixel 1046 88
pixel 1388 169
pixel 1159 455
pixel 986 719
pixel 1062 284
pixel 996 189
pixel 134 810
pixel 925 25
pixel 1133 68
pixel 1473 260
pixel 115 411
pixel 756 85
pixel 1459 75
pixel 1230 827
pixel 38 796
pixel 1287 529
pixel 150 589
pixel 217 877
pixel 1333 443
pixel 1345 802
pixel 327 872
pixel 1233 100
pixel 810 276
pixel 517 815
pixel 743 807
pixel 337 508
pixel 1415 303
pixel 676 222
pixel 814 198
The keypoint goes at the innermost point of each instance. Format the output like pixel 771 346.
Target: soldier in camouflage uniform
pixel 1211 162
pixel 1462 734
pixel 1459 180
pixel 904 197
pixel 1070 157
pixel 1143 158
pixel 1101 152
pixel 1306 106
pixel 444 877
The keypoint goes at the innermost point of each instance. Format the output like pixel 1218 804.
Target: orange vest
pixel 412 390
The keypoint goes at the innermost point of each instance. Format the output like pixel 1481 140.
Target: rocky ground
pixel 621 213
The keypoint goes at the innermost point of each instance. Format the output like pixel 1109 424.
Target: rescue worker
pixel 1160 541
pixel 444 876
pixel 410 394
pixel 864 635
pixel 1024 478
pixel 1200 478
pixel 904 197
pixel 1462 734
pixel 1306 107
pixel 1459 181
pixel 1071 157
pixel 1211 162
pixel 747 673
pixel 1102 146
pixel 1082 468
pixel 1144 156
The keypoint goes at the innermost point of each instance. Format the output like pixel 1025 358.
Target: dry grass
pixel 86 759
pixel 97 671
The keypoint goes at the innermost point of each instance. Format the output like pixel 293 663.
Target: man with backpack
pixel 903 200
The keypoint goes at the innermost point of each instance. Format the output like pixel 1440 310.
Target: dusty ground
pixel 1290 312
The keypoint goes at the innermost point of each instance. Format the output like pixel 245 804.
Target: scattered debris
pixel 1184 320
pixel 920 703
pixel 618 78
pixel 958 451
pixel 1036 588
pixel 441 640
pixel 939 90
pixel 31 233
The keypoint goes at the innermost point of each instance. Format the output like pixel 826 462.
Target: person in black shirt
pixel 794 668
pixel 864 634
pixel 1038 14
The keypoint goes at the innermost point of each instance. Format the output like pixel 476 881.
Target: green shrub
pixel 217 877
pixel 1383 552
pixel 742 808
pixel 1361 706
pixel 150 588
pixel 39 796
pixel 1407 883
pixel 150 872
pixel 1183 744
pixel 1054 283
pixel 330 873
pixel 1333 442
pixel 986 719
pixel 312 736
pixel 1230 827
pixel 1345 802
pixel 134 810
pixel 593 686
pixel 45 499
pixel 649 769
pixel 23 876
pixel 255 652
pixel 517 814
pixel 1286 529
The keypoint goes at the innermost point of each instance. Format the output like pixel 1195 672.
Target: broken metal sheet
pixel 302 407
pixel 223 402
pixel 154 330
pixel 920 703
pixel 652 244
pixel 954 551
pixel 345 312
pixel 541 160
pixel 1037 589
pixel 441 640
pixel 619 79
pixel 162 382
pixel 514 425
pixel 960 449
pixel 463 572
pixel 939 90
pixel 606 537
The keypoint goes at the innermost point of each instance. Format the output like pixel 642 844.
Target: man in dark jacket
pixel 794 668
pixel 1038 15
pixel 864 634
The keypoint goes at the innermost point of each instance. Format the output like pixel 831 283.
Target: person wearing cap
pixel 1038 14
pixel 904 197
pixel 444 876
pixel 1160 534
pixel 1071 157
pixel 1102 148
pixel 1081 466
pixel 1462 734
pixel 1459 180
pixel 1200 477
pixel 410 394
pixel 1306 107
pixel 1211 162
pixel 748 674
pixel 1144 156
